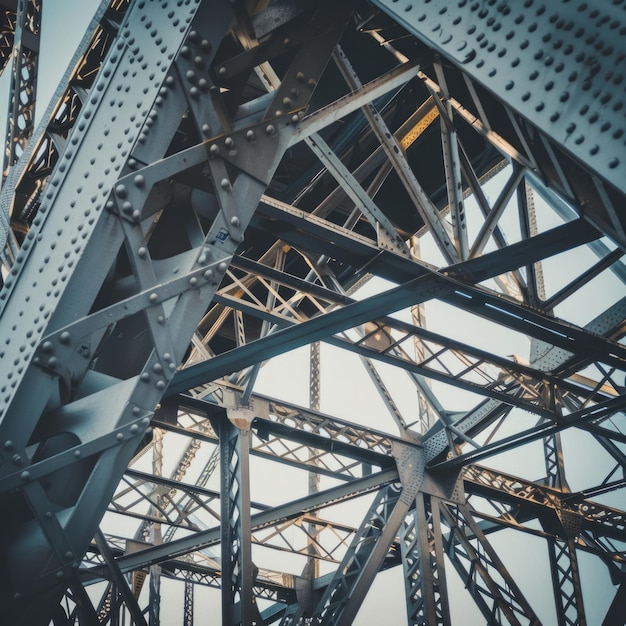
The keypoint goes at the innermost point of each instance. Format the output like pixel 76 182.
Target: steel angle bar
pixel 475 361
pixel 448 35
pixel 326 115
pixel 600 411
pixel 552 359
pixel 452 165
pixel 389 238
pixel 202 539
pixel 396 157
pixel 600 520
pixel 317 328
pixel 477 269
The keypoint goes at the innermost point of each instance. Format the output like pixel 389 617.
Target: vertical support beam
pixel 426 415
pixel 422 559
pixel 188 604
pixel 21 117
pixel 154 610
pixel 452 167
pixel 564 568
pixel 528 224
pixel 313 569
pixel 238 606
pixel 566 583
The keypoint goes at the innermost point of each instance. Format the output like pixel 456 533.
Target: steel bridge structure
pixel 423 203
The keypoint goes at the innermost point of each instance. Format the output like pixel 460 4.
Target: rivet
pixel 206 130
pixel 250 135
pixel 77 453
pixel 65 338
pixel 222 71
pixel 214 149
pixel 154 297
pixel 270 129
pixel 120 436
pixel 140 181
pixel 193 281
pixel 614 162
pixel 222 267
pixel 134 429
pixel 228 142
pixel 47 347
pixel 69 556
pixel 160 384
pixel 25 475
pixel 8 444
pixel 16 459
pixel 142 252
pixel 234 220
pixel 208 274
pixel 121 191
pixel 145 377
pixel 224 183
pixel 198 60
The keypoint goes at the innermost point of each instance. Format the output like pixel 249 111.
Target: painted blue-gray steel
pixel 126 257
pixel 559 65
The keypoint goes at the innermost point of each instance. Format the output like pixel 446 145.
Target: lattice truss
pixel 434 191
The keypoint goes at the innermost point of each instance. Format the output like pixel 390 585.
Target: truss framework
pixel 211 186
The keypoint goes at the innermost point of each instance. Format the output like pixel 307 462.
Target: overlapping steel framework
pixel 215 183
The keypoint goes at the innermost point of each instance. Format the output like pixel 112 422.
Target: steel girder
pixel 157 190
pixel 563 103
